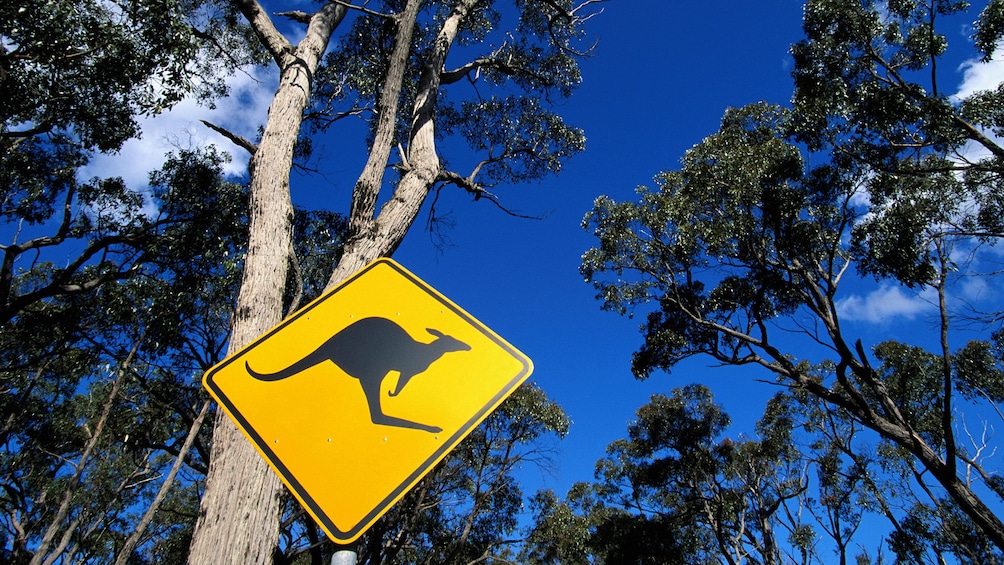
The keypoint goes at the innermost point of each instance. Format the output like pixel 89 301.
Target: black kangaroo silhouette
pixel 369 350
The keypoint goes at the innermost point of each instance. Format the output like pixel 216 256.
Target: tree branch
pixel 367 188
pixel 276 43
pixel 468 184
pixel 237 140
pixel 366 10
pixel 296 15
pixel 71 487
pixel 61 284
pixel 571 17
pixel 126 552
pixel 971 131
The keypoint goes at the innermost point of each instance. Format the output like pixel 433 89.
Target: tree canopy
pixel 78 78
pixel 744 253
pixel 393 63
pixel 154 282
pixel 748 248
pixel 100 323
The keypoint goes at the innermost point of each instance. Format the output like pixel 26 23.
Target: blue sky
pixel 661 78
pixel 663 75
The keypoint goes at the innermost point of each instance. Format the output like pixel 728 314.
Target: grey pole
pixel 344 557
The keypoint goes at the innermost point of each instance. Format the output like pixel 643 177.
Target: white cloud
pixel 242 113
pixel 890 302
pixel 884 305
pixel 977 75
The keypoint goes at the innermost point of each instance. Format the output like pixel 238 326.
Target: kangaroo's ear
pixel 436 333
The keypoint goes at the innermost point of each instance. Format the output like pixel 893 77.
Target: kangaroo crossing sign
pixel 358 395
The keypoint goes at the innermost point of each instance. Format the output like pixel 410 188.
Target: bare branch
pixel 237 140
pixel 571 17
pixel 366 10
pixel 479 192
pixel 296 15
pixel 193 431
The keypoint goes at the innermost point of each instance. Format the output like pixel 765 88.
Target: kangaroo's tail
pixel 301 365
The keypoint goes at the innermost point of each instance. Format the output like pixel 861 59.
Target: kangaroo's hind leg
pixel 371 388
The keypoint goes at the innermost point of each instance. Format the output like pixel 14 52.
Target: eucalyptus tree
pixel 561 528
pixel 740 245
pixel 467 509
pixel 808 486
pixel 103 450
pixel 678 489
pixel 85 439
pixel 78 78
pixel 751 239
pixel 870 91
pixel 100 411
pixel 391 63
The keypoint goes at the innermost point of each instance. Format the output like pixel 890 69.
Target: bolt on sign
pixel 358 395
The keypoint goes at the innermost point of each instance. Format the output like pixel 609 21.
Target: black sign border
pixel 384 505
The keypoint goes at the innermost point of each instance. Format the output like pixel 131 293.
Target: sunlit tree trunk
pixel 240 508
pixel 239 515
pixel 379 236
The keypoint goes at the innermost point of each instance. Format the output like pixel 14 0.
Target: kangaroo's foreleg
pixel 371 388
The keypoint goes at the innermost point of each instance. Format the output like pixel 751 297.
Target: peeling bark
pixel 239 515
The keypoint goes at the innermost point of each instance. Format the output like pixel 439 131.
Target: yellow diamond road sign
pixel 358 395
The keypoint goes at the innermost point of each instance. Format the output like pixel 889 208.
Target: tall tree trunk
pixel 239 515
pixel 238 521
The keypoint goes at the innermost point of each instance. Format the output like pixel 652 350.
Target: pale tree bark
pixel 239 515
pixel 375 237
pixel 238 520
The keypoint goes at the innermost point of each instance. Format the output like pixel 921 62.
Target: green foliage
pixel 742 254
pixel 511 133
pixel 77 78
pixel 677 490
pixel 989 28
pixel 33 177
pixel 978 366
pixel 559 535
pixel 174 315
pixel 90 67
pixel 921 535
pixel 173 318
pixel 894 241
pixel 522 140
pixel 860 95
pixel 319 236
pixel 740 207
pixel 87 71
